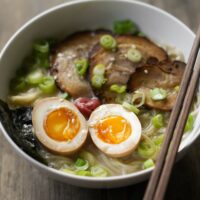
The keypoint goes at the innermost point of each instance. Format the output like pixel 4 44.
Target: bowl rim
pixel 55 171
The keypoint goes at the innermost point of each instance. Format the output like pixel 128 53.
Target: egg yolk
pixel 113 129
pixel 62 124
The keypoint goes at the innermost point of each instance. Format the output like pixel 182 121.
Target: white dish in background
pixel 70 17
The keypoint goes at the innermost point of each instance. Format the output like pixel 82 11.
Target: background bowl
pixel 65 19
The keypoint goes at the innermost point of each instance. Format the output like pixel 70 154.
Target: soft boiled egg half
pixel 114 130
pixel 59 125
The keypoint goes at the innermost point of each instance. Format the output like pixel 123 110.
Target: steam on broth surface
pixel 96 104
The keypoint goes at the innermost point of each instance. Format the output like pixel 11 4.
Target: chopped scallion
pixel 189 123
pixel 158 121
pixel 148 163
pixel 134 55
pixel 98 81
pixel 47 85
pixel 125 27
pixel 99 69
pixel 81 164
pixel 35 77
pixel 83 173
pixel 158 94
pixel 42 46
pixel 118 88
pixel 130 107
pixel 108 42
pixel 81 66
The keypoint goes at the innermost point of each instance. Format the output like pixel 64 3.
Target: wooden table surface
pixel 20 181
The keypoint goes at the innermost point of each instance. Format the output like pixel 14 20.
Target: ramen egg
pixel 59 125
pixel 114 130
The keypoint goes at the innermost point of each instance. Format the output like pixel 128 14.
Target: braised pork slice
pixel 166 75
pixel 118 66
pixel 63 69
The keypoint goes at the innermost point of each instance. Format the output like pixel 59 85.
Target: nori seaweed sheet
pixel 18 124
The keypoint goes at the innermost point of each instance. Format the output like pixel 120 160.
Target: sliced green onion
pixel 47 85
pixel 18 84
pixel 138 99
pixel 99 69
pixel 189 123
pixel 98 171
pixel 148 163
pixel 134 55
pixel 118 88
pixel 83 173
pixel 125 27
pixel 42 46
pixel 98 81
pixel 81 164
pixel 158 94
pixel 130 107
pixel 146 148
pixel 158 140
pixel 65 95
pixel 158 121
pixel 89 157
pixel 81 66
pixel 108 42
pixel 35 77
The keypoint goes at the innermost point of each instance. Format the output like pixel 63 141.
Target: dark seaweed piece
pixel 18 124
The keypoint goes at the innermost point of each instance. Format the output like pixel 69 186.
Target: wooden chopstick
pixel 154 180
pixel 178 133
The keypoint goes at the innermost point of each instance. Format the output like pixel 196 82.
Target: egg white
pixel 115 150
pixel 41 110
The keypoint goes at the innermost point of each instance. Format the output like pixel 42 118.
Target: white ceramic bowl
pixel 67 18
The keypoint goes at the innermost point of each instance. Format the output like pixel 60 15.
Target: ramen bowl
pixel 67 18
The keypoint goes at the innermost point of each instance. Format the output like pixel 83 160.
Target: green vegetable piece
pixel 158 94
pixel 18 84
pixel 134 55
pixel 35 77
pixel 81 164
pixel 81 66
pixel 99 69
pixel 125 27
pixel 130 107
pixel 41 60
pixel 108 42
pixel 190 123
pixel 98 171
pixel 89 157
pixel 158 121
pixel 83 173
pixel 47 85
pixel 98 81
pixel 158 140
pixel 146 149
pixel 65 95
pixel 42 46
pixel 118 88
pixel 148 163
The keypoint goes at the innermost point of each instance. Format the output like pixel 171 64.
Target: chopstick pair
pixel 159 179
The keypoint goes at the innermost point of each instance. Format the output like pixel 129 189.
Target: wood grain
pixel 20 181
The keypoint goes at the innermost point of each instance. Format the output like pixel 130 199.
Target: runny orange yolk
pixel 62 124
pixel 113 129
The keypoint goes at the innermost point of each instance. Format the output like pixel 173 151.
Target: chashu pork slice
pixel 166 75
pixel 76 46
pixel 118 67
